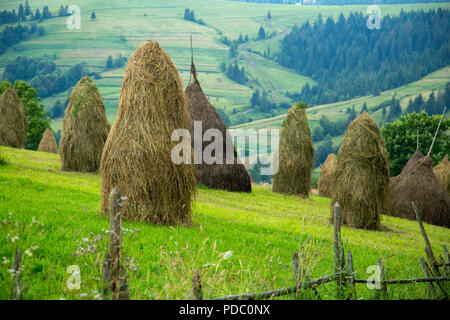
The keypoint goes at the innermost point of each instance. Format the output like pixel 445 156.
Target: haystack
pixel 362 175
pixel 84 129
pixel 219 175
pixel 442 173
pixel 419 184
pixel 137 155
pixel 326 178
pixel 13 124
pixel 296 154
pixel 48 142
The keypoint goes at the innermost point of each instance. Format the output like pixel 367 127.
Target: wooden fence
pixel 115 283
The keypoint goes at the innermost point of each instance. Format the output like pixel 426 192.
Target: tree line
pixel 189 15
pixel 24 13
pixel 347 59
pixel 43 74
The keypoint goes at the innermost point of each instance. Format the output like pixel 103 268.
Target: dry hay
pixel 48 142
pixel 296 154
pixel 442 173
pixel 231 177
pixel 362 175
pixel 419 184
pixel 84 129
pixel 326 178
pixel 13 123
pixel 137 155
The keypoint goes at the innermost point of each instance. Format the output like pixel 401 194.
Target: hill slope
pixel 163 21
pixel 262 229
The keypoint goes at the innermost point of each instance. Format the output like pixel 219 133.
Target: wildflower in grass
pixel 227 255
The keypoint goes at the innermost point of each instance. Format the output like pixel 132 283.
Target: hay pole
pixel 351 275
pixel 193 71
pixel 339 262
pixel 427 275
pixel 437 130
pixel 428 249
pixel 196 289
pixel 285 291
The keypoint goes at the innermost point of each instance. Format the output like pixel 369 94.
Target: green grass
pixel 262 229
pixel 98 39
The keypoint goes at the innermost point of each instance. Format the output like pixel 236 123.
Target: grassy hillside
pixel 139 20
pixel 262 229
pixel 434 81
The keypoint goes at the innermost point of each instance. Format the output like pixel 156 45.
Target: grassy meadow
pixel 239 242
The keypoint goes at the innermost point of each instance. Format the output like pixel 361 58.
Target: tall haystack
pixel 362 175
pixel 84 129
pixel 442 173
pixel 419 184
pixel 411 164
pixel 48 142
pixel 13 123
pixel 296 154
pixel 219 175
pixel 326 178
pixel 137 155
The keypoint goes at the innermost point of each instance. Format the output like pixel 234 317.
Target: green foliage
pixel 37 120
pixel 350 64
pixel 401 138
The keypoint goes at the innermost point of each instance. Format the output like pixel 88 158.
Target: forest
pixel 347 59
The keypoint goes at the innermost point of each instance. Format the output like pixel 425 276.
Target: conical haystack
pixel 442 173
pixel 137 158
pixel 326 178
pixel 418 184
pixel 48 142
pixel 362 175
pixel 84 129
pixel 219 175
pixel 13 123
pixel 296 154
pixel 412 162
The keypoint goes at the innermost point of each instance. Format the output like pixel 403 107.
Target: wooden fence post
pixel 351 276
pixel 382 279
pixel 295 266
pixel 444 266
pixel 428 249
pixel 427 275
pixel 114 277
pixel 17 291
pixel 196 289
pixel 339 262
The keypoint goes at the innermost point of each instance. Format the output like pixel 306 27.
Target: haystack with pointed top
pixel 48 142
pixel 442 173
pixel 13 123
pixel 362 175
pixel 231 175
pixel 326 178
pixel 418 183
pixel 84 129
pixel 137 158
pixel 296 154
